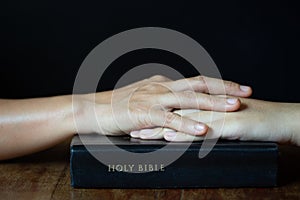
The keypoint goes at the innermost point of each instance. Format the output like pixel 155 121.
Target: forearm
pixel 256 120
pixel 31 125
pixel 290 118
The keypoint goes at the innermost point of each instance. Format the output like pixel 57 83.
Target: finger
pixel 218 86
pixel 210 85
pixel 206 116
pixel 220 125
pixel 201 115
pixel 215 131
pixel 158 133
pixel 193 100
pixel 135 134
pixel 174 121
pixel 173 136
pixel 152 134
pixel 183 112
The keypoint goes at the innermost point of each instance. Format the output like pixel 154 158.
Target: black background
pixel 43 43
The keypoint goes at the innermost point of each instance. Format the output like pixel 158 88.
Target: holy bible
pixel 228 164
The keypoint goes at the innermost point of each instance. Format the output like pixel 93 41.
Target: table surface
pixel 46 175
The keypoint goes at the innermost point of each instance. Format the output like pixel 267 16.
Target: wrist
pixel 290 117
pixel 99 97
pixel 90 114
pixel 66 115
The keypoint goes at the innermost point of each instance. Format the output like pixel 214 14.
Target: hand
pixel 256 120
pixel 149 103
pixel 31 125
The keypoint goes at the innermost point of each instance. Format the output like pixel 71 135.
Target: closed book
pixel 227 164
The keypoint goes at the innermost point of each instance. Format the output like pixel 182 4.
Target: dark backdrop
pixel 43 43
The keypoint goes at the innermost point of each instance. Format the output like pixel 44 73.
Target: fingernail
pixel 244 88
pixel 135 134
pixel 170 134
pixel 199 127
pixel 231 101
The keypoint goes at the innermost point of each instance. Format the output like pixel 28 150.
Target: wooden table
pixel 45 175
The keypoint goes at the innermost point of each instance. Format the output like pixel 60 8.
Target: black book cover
pixel 228 164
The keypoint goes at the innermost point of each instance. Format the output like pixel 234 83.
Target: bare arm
pixel 31 125
pixel 256 120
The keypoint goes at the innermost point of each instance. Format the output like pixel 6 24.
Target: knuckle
pixel 231 84
pixel 169 118
pixel 210 101
pixel 202 84
pixel 189 95
pixel 201 80
pixel 158 78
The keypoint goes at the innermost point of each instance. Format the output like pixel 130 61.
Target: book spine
pixel 220 168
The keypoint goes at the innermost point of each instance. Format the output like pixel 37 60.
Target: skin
pixel 32 125
pixel 256 120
